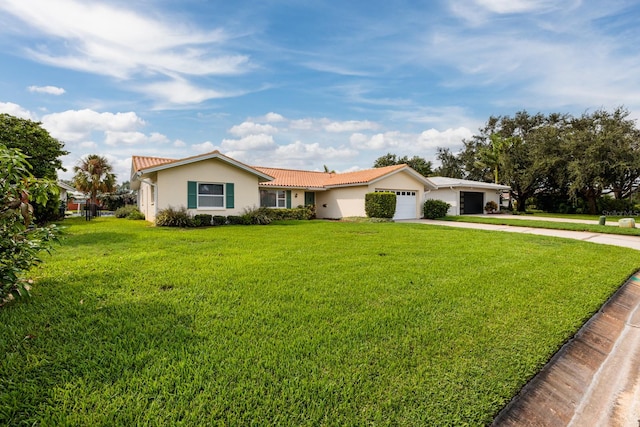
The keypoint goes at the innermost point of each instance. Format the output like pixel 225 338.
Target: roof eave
pixel 214 155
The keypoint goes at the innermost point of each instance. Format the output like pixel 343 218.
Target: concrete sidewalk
pixel 632 242
pixel 594 380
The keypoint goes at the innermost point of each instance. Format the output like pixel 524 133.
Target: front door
pixel 309 198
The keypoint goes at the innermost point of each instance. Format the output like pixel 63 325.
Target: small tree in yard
pixel 93 175
pixel 20 241
pixel 380 205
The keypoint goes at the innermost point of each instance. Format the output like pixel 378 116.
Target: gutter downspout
pixel 457 204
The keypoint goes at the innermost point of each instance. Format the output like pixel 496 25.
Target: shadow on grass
pixel 88 347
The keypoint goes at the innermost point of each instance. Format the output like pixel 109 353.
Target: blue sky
pixel 303 84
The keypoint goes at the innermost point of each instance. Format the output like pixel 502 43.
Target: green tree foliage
pixel 557 159
pixel 450 165
pixel 122 196
pixel 20 242
pixel 93 175
pixel 605 155
pixel 380 204
pixel 42 150
pixel 419 164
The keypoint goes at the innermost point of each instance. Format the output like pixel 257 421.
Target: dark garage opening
pixel 471 202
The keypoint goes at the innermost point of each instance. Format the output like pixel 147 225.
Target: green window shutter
pixel 230 196
pixel 192 195
pixel 288 199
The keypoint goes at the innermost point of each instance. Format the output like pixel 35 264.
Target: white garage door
pixel 406 203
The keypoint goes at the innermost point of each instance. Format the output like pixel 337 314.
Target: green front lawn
pixel 297 323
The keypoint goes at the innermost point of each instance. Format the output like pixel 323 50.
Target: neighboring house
pixel 219 185
pixel 66 191
pixel 70 197
pixel 465 197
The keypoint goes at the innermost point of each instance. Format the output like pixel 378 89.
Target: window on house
pixel 210 195
pixel 273 198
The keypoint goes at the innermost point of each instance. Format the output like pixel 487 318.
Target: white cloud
pixel 120 42
pixel 513 6
pixel 107 39
pixel 433 138
pixel 273 118
pixel 314 151
pixel 179 143
pixel 423 144
pixel 301 124
pixel 76 125
pixel 379 141
pixel 15 110
pixel 204 147
pixel 115 138
pixel 251 128
pixel 88 145
pixel 50 90
pixel 180 91
pixel 250 142
pixel 351 126
pixel 358 139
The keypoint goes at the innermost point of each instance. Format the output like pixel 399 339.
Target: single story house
pixel 216 184
pixel 465 197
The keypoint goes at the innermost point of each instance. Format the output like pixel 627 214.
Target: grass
pixel 593 218
pixel 531 222
pixel 297 323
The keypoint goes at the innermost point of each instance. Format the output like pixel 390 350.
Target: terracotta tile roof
pixel 144 162
pixel 293 178
pixel 360 177
pixel 283 177
pixel 309 179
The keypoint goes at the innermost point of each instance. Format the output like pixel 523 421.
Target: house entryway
pixel 471 202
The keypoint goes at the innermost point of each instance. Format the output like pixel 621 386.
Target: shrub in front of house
pixel 491 207
pixel 124 211
pixel 172 217
pixel 203 220
pixel 219 220
pixel 257 216
pixel 129 212
pixel 380 204
pixel 238 220
pixel 135 215
pixel 299 213
pixel 433 209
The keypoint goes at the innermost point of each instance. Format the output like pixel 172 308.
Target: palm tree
pixel 93 175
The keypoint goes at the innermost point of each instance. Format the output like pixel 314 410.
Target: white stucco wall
pixel 349 201
pixel 341 202
pixel 146 200
pixel 172 186
pixel 452 196
pixel 446 195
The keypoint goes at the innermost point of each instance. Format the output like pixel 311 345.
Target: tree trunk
pixel 521 198
pixel 592 198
